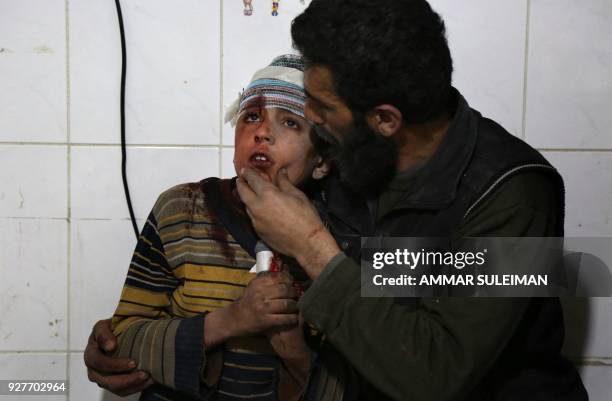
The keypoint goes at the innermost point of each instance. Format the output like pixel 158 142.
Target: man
pixel 413 160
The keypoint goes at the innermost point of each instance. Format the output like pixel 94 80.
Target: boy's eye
pixel 252 117
pixel 292 124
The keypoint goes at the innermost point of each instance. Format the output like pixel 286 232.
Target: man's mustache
pixel 325 135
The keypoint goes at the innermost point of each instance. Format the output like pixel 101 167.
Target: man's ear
pixel 385 119
pixel 321 169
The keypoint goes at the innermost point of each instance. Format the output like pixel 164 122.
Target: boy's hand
pixel 289 344
pixel 117 375
pixel 268 301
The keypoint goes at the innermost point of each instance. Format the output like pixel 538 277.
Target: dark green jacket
pixel 481 181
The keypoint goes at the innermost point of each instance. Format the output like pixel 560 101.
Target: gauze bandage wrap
pixel 278 85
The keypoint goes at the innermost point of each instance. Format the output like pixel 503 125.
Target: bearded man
pixel 414 160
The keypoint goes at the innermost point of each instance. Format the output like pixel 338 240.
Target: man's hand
pixel 117 375
pixel 286 220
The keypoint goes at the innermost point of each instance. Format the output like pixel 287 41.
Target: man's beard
pixel 366 161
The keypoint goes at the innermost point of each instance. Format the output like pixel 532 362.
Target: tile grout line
pixel 526 69
pixel 221 119
pixel 132 145
pixel 40 352
pixel 568 150
pixel 68 195
pixel 125 218
pixel 216 146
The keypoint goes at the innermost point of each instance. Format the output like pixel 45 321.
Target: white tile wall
pixel 588 191
pixel 33 181
pixel 487 41
pixel 97 188
pixel 586 320
pixel 251 43
pixel 95 72
pixel 588 213
pixel 33 55
pixel 101 253
pixel 597 381
pixel 81 389
pixel 33 295
pixel 39 366
pixel 173 88
pixel 227 163
pixel 569 80
pixel 177 54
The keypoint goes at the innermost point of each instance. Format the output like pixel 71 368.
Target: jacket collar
pixel 435 186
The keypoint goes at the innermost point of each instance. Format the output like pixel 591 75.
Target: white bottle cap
pixel 263 257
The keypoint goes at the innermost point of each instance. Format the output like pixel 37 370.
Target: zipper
pixel 501 179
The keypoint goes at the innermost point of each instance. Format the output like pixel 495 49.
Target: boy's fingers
pixel 273 278
pixel 281 277
pixel 288 319
pixel 281 291
pixel 103 335
pixel 282 307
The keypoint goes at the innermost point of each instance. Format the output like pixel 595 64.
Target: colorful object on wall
pixel 248 7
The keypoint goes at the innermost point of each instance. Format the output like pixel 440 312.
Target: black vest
pixel 475 159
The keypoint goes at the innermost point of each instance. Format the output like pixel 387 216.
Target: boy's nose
pixel 264 134
pixel 263 138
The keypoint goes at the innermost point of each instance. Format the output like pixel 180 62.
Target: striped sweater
pixel 185 265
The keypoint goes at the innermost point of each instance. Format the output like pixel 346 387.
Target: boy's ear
pixel 321 169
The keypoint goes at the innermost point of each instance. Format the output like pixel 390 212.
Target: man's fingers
pixel 122 385
pixel 244 190
pixel 255 181
pixel 103 335
pixel 139 388
pixel 96 360
pixel 284 184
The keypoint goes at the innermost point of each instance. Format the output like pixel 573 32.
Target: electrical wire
pixel 126 188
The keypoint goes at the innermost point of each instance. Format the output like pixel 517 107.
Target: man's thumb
pixel 284 184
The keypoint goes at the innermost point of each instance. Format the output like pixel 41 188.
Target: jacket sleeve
pixel 170 349
pixel 442 348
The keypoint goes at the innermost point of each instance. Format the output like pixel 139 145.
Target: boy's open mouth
pixel 261 161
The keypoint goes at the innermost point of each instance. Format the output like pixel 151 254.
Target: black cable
pixel 122 107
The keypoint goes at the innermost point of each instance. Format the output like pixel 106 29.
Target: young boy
pixel 187 313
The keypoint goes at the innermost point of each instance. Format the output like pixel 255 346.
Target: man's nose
pixel 311 115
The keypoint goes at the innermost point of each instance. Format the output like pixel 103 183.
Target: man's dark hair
pixel 380 52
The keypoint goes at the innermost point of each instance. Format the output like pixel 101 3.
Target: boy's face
pixel 268 140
